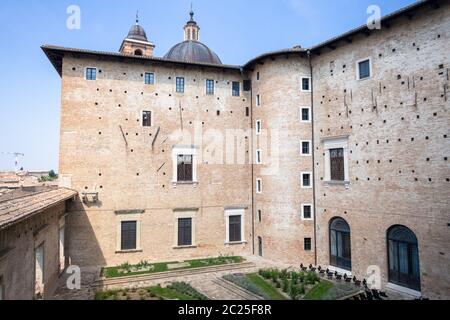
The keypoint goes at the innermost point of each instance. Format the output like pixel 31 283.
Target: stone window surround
pixel 302 212
pixel 310 179
pixel 184 214
pixel 187 151
pixel 301 148
pixel 301 114
pixel 340 142
pixel 301 83
pixel 234 212
pixel 370 69
pixel 123 216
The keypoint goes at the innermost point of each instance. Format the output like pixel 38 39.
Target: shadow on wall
pixel 84 248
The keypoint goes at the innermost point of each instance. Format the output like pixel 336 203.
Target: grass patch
pixel 148 268
pixel 271 292
pixel 319 291
pixel 170 294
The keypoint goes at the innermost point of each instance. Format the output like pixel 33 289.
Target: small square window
pixel 308 243
pixel 306 148
pixel 210 87
pixel 91 74
pixel 258 185
pixel 305 114
pixel 236 89
pixel 146 118
pixel 306 85
pixel 364 69
pixel 307 211
pixel 180 85
pixel 306 180
pixel 149 78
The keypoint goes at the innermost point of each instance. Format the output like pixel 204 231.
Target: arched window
pixel 340 247
pixel 138 52
pixel 403 255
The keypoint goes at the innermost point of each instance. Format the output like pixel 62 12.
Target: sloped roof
pixel 22 204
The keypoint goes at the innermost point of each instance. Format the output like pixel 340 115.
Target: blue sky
pixel 237 30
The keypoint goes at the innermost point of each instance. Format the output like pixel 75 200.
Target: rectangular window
pixel 185 232
pixel 306 180
pixel 146 118
pixel 210 87
pixel 236 89
pixel 306 148
pixel 149 78
pixel 128 235
pixel 235 228
pixel 337 164
pixel 306 86
pixel 307 243
pixel 258 185
pixel 260 246
pixel 257 76
pixel 305 114
pixel 258 100
pixel 91 73
pixel 180 84
pixel 364 69
pixel 259 215
pixel 307 211
pixel 258 157
pixel 184 168
pixel 258 127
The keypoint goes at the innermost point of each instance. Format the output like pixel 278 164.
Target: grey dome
pixel 137 33
pixel 192 51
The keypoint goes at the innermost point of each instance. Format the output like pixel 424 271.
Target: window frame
pixel 145 78
pixel 86 73
pixel 336 143
pixel 142 118
pixel 209 87
pixel 122 248
pixel 358 73
pixel 309 114
pixel 303 211
pixel 185 151
pixel 310 179
pixel 181 241
pixel 305 242
pixel 233 90
pixel 309 84
pixel 176 84
pixel 233 213
pixel 184 214
pixel 309 148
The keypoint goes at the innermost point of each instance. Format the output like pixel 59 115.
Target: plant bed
pixel 145 267
pixel 175 291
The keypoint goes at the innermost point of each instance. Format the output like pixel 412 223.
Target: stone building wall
pixel 17 254
pixel 397 123
pixel 105 149
pixel 282 228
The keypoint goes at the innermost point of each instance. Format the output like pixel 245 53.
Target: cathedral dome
pixel 192 51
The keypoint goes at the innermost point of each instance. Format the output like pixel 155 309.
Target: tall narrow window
pixel 305 114
pixel 307 243
pixel 340 244
pixel 210 87
pixel 364 69
pixel 259 215
pixel 185 232
pixel 306 148
pixel 91 74
pixel 258 157
pixel 307 211
pixel 257 76
pixel 235 228
pixel 184 169
pixel 258 127
pixel 337 164
pixel 306 180
pixel 260 246
pixel 146 118
pixel 149 78
pixel 258 100
pixel 128 235
pixel 306 85
pixel 236 89
pixel 258 185
pixel 180 84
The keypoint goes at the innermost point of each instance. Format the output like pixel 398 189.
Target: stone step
pixel 243 293
pixel 105 283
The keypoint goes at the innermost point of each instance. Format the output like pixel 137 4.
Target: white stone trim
pixel 301 148
pixel 370 69
pixel 301 83
pixel 301 114
pixel 302 212
pixel 404 290
pixel 336 143
pixel 310 179
pixel 187 151
pixel 234 212
pixel 184 214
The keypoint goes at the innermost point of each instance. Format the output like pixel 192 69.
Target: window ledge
pixel 130 251
pixel 184 247
pixel 404 290
pixel 337 183
pixel 233 243
pixel 185 183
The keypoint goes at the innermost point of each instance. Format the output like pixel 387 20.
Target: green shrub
pixel 293 291
pixel 311 278
pixel 285 285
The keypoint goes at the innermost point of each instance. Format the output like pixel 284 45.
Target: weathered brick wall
pixel 17 266
pixel 125 173
pixel 398 127
pixel 282 228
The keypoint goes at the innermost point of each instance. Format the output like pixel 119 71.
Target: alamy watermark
pixel 73 22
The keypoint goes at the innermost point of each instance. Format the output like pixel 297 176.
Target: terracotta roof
pixel 21 204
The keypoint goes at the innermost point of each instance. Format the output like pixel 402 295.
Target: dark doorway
pixel 340 247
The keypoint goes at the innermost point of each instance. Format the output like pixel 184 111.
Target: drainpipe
pixel 313 157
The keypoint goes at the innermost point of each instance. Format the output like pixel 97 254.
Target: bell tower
pixel 136 42
pixel 191 29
